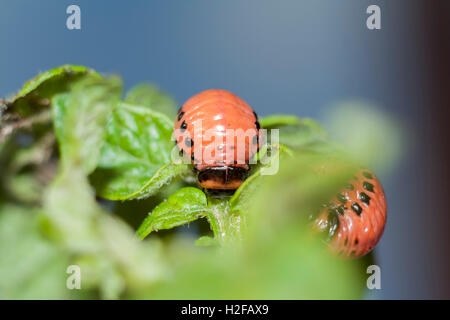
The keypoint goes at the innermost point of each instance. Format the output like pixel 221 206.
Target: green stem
pixel 226 225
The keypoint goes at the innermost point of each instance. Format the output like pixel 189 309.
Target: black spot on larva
pixel 368 186
pixel 231 147
pixel 341 198
pixel 332 211
pixel 341 209
pixel 258 126
pixel 256 116
pixel 333 225
pixel 181 153
pixel 183 126
pixel 356 241
pixel 364 198
pixel 349 187
pixel 255 139
pixel 188 142
pixel 192 157
pixel 367 175
pixel 356 208
pixel 180 115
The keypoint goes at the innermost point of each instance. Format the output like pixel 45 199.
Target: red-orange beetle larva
pixel 219 132
pixel 355 219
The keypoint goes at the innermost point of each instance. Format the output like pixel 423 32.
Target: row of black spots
pixel 368 186
pixel 356 208
pixel 180 115
pixel 333 225
pixel 183 154
pixel 183 126
pixel 364 198
pixel 367 175
pixel 341 198
pixel 355 242
pixel 336 209
pixel 188 142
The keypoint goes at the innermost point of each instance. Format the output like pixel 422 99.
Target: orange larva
pixel 354 220
pixel 203 133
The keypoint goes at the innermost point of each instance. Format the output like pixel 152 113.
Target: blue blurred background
pixel 285 56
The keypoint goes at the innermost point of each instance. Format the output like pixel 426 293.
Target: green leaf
pixel 242 199
pixel 80 119
pixel 185 205
pixel 278 120
pixel 298 133
pixel 30 106
pixel 370 131
pixel 114 187
pixel 136 157
pixel 206 241
pixel 306 134
pixel 151 96
pixel 31 267
pixel 36 92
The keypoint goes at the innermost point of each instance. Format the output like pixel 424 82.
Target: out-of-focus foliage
pixel 80 116
pixel 364 131
pixel 31 267
pixel 68 140
pixel 152 97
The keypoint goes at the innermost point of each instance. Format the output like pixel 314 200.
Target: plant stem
pixel 226 225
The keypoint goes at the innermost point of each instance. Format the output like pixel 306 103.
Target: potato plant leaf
pixel 30 106
pixel 34 93
pixel 80 119
pixel 135 160
pixel 186 205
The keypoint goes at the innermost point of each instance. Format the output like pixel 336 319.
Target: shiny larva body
pixel 354 220
pixel 219 132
